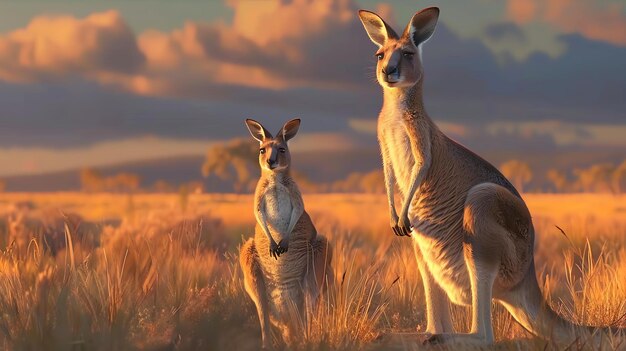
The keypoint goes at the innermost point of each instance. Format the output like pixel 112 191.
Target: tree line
pixel 236 161
pixel 235 165
pixel 602 177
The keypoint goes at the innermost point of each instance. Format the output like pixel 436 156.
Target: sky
pixel 90 83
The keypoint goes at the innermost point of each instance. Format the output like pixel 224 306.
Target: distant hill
pixel 174 170
pixel 319 167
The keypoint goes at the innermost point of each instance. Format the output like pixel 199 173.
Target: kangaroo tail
pixel 528 306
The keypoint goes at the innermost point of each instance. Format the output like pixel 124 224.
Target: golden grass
pixel 109 272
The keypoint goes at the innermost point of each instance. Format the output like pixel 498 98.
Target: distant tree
pixel 91 180
pixel 3 185
pixel 235 161
pixel 558 179
pixel 518 172
pixel 131 209
pixel 358 182
pixel 348 184
pixel 618 178
pixel 373 182
pixel 305 184
pixel 195 187
pixel 162 186
pixel 123 182
pixel 183 197
pixel 596 178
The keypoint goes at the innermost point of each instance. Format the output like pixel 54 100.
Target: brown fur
pixel 472 232
pixel 286 264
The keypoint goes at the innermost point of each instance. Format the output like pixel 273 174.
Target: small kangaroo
pixel 472 233
pixel 287 264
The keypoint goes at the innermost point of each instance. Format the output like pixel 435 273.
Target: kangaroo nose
pixel 389 70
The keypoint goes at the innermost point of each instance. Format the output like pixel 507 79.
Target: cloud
pixel 271 45
pixel 505 32
pixel 564 134
pixel 596 20
pixel 279 44
pixel 522 11
pixel 70 115
pixel 324 142
pixel 362 125
pixel 318 46
pixel 51 47
pixel 34 160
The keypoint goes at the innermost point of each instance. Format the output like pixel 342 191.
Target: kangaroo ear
pixel 290 129
pixel 257 130
pixel 376 28
pixel 422 25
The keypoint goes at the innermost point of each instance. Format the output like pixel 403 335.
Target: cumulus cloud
pixel 562 133
pixel 505 32
pixel 55 46
pixel 522 11
pixel 34 160
pixel 593 19
pixel 272 45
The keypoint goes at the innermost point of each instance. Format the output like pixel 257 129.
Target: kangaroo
pixel 287 264
pixel 472 233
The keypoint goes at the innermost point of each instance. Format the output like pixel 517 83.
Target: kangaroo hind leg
pixel 482 275
pixel 254 284
pixel 438 319
pixel 497 250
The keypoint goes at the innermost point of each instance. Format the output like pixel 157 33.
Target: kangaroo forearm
pixel 422 153
pixel 260 218
pixel 417 177
pixel 390 201
pixel 389 186
pixel 390 195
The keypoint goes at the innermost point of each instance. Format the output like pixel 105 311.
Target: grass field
pixel 114 272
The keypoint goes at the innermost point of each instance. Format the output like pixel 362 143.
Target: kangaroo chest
pixel 394 135
pixel 278 207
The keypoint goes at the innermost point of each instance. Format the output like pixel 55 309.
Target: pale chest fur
pixel 279 203
pixel 396 144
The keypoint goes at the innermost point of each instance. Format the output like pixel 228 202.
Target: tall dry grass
pixel 89 272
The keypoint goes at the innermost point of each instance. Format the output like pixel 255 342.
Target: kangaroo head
pixel 399 58
pixel 274 153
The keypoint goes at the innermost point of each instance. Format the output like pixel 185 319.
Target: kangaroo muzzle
pixel 391 71
pixel 272 160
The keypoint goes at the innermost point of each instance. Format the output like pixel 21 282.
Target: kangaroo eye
pixel 380 56
pixel 408 55
pixel 262 151
pixel 282 149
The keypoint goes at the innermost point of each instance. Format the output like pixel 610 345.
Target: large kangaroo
pixel 472 233
pixel 286 264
